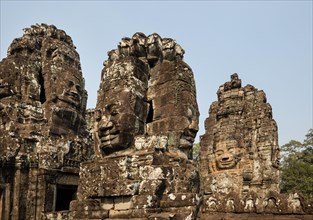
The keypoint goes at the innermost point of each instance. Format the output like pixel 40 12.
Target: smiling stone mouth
pixel 73 96
pixel 109 137
pixel 226 162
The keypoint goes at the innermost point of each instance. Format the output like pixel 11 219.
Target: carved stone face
pixel 10 76
pixel 63 86
pixel 121 107
pixel 190 131
pixel 118 122
pixel 70 92
pixel 175 114
pixel 225 154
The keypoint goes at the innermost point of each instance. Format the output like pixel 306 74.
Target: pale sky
pixel 268 43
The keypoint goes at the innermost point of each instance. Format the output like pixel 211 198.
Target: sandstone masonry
pixel 131 156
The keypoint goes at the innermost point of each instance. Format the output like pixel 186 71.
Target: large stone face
pixel 173 107
pixel 121 105
pixel 146 88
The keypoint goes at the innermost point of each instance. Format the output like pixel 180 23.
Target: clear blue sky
pixel 268 43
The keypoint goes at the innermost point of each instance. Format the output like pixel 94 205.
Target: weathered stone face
pixel 33 73
pixel 227 154
pixel 118 122
pixel 173 101
pixel 165 105
pixel 66 98
pixel 7 82
pixel 121 107
pixel 146 120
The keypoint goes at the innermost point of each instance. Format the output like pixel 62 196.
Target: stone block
pixel 123 203
pixel 145 201
pixel 123 214
pixel 107 203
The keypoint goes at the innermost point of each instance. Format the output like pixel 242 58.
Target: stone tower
pixel 239 153
pixel 43 132
pixel 146 119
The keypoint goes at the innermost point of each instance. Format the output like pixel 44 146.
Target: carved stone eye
pixel 70 84
pixel 113 112
pixel 78 88
pixel 219 153
pixel 112 109
pixel 231 150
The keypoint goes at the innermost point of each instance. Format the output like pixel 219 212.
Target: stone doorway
pixel 65 194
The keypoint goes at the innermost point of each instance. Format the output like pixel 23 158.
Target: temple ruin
pixel 131 156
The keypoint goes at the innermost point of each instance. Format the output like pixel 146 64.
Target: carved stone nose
pixel 194 127
pixel 73 90
pixel 105 123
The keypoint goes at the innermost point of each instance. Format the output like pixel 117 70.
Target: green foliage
pixel 297 166
pixel 196 149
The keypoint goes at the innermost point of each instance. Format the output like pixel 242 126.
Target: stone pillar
pixel 6 200
pixel 32 192
pixel 17 191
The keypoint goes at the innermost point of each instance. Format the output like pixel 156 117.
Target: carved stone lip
pixel 226 164
pixel 108 137
pixel 73 96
